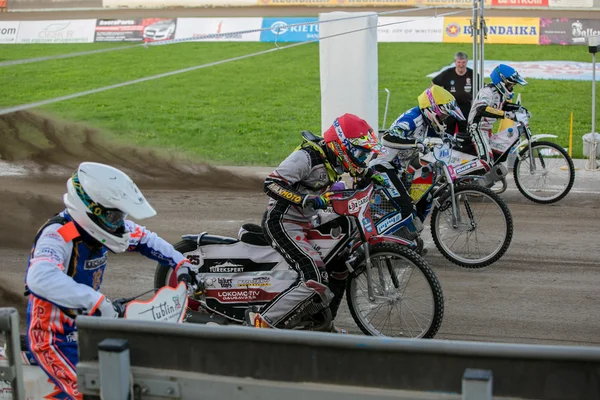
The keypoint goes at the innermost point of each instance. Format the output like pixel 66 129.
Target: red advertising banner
pixel 2 5
pixel 520 3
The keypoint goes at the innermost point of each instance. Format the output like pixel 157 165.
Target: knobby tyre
pixel 401 252
pixel 446 204
pixel 518 165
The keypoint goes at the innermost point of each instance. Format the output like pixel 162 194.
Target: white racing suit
pixel 63 277
pixel 489 105
pixel 285 223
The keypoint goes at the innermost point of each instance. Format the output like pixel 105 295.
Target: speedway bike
pixel 543 171
pixel 471 225
pixel 238 273
pixel 168 304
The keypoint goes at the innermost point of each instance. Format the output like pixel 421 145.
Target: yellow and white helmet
pixel 437 104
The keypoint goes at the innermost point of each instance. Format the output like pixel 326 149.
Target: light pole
pixel 593 45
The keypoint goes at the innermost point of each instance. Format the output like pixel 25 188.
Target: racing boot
pixel 411 228
pixel 254 319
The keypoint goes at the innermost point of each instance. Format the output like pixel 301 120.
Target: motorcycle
pixel 169 304
pixel 239 273
pixel 455 203
pixel 527 148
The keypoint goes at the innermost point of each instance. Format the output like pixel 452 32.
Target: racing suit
pixel 489 105
pixel 400 142
pixel 63 276
pixel 306 171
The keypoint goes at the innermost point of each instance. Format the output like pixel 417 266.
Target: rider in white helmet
pixel 68 259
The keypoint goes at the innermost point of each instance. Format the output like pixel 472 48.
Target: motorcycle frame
pixel 339 201
pixel 447 179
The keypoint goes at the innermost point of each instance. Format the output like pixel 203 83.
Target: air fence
pixel 157 360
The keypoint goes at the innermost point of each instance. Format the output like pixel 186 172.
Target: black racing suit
pixel 305 172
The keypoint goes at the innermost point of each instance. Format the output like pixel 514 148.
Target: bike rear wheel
pixel 464 245
pixel 553 176
pixel 402 315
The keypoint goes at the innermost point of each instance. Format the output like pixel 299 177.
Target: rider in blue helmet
pixel 492 103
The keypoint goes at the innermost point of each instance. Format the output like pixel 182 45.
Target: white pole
pixel 481 44
pixel 592 156
pixel 474 31
pixel 591 165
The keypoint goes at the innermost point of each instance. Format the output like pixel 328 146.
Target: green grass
pixel 251 112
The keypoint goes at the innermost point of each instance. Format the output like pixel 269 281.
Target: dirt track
pixel 544 290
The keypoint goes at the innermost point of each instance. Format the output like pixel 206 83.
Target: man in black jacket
pixel 458 80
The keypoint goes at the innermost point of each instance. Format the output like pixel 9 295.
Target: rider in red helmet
pixel 296 188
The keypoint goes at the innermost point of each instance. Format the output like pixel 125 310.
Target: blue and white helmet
pixel 504 77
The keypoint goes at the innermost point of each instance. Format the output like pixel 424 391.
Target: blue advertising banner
pixel 280 29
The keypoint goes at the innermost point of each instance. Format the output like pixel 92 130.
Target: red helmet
pixel 352 140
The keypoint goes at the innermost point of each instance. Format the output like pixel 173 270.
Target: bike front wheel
pixel 483 229
pixel 408 301
pixel 548 176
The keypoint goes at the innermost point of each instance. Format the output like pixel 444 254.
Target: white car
pixel 160 30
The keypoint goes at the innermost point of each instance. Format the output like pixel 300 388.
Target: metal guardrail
pixel 13 371
pixel 186 356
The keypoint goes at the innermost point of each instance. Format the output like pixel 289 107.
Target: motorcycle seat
pixel 253 234
pixel 204 239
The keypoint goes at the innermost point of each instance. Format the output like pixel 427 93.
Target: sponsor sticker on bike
pixel 366 222
pixel 355 205
pixel 465 167
pixel 383 225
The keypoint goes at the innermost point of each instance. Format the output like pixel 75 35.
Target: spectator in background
pixel 459 82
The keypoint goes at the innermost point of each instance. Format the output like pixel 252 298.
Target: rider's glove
pixel 373 176
pixel 107 309
pixel 379 179
pixel 316 202
pixel 510 115
pixel 184 273
pixel 526 111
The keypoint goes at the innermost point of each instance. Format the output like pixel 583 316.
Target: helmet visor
pixel 109 219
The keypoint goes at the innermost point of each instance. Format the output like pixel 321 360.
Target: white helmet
pixel 99 198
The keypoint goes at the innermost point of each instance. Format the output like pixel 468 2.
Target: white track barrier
pixel 348 65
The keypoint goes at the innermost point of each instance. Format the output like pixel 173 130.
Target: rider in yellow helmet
pixel 405 134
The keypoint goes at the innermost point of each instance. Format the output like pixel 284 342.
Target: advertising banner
pixel 65 31
pixel 501 30
pixel 419 29
pixel 571 3
pixel 154 4
pixel 568 31
pixel 135 30
pixel 15 5
pixel 2 5
pixel 204 29
pixel 279 29
pixel 360 3
pixel 553 70
pixel 8 32
pixel 519 3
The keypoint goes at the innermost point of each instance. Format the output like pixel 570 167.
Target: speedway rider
pixel 405 134
pixel 67 262
pixel 492 102
pixel 296 188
